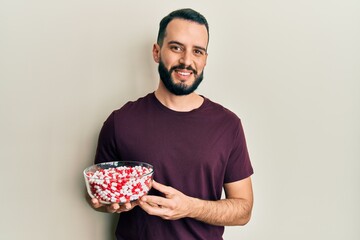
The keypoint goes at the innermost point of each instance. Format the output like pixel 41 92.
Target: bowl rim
pixel 123 163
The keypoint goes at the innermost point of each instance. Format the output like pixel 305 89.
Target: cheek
pixel 168 62
pixel 200 65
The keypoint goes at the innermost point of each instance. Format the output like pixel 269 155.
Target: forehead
pixel 186 32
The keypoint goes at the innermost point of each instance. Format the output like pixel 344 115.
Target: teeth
pixel 184 73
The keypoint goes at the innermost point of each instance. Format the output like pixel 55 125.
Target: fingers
pixel 153 200
pixel 114 207
pixel 95 203
pixel 152 205
pixel 169 207
pixel 159 206
pixel 125 207
pixel 161 187
pixel 157 201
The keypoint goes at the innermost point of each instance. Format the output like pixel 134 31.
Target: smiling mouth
pixel 185 74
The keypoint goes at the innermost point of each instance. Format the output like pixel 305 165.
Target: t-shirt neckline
pixel 166 109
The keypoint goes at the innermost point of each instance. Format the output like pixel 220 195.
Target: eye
pixel 176 48
pixel 199 52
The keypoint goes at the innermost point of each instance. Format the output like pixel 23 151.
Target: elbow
pixel 245 216
pixel 246 213
pixel 244 220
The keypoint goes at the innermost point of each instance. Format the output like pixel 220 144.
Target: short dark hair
pixel 186 14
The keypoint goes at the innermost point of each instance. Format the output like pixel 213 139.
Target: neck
pixel 185 103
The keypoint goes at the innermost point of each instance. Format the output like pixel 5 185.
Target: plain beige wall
pixel 289 69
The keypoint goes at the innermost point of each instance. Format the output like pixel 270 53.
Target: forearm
pixel 225 212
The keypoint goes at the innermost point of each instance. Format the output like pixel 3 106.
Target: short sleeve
pixel 239 165
pixel 106 149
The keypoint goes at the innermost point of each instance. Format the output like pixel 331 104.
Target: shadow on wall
pixel 111 223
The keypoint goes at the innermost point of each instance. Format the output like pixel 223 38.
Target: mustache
pixel 183 66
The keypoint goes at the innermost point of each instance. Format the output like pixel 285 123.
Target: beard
pixel 178 89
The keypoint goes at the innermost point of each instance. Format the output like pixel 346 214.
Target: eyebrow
pixel 178 43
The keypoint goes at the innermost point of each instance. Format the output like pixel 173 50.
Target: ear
pixel 156 53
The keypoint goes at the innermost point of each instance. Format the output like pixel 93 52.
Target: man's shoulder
pixel 219 109
pixel 141 102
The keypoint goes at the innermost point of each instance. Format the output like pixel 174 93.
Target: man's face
pixel 182 57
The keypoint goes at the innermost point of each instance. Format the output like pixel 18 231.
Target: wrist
pixel 197 206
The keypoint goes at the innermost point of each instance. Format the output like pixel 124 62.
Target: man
pixel 197 147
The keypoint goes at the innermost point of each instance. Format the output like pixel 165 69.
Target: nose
pixel 186 58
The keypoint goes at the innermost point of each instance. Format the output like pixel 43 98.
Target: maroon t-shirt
pixel 195 152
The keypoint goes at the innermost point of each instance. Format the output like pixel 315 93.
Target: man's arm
pixel 234 210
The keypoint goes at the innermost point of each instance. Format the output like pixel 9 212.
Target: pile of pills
pixel 121 184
